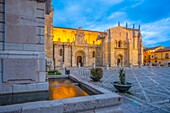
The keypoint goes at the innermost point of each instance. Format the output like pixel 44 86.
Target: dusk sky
pixel 100 15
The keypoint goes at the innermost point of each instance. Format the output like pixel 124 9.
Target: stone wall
pixel 22 50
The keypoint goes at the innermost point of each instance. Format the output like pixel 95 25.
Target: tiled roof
pixel 152 48
pixel 162 50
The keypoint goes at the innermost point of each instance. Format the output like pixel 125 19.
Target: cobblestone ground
pixel 150 92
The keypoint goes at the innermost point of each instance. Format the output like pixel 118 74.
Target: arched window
pixel 166 55
pixel 61 52
pixel 93 55
pixel 59 39
pixel 119 44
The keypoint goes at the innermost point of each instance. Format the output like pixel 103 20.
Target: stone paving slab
pixel 150 92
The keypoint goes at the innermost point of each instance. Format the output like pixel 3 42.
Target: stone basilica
pixel 72 47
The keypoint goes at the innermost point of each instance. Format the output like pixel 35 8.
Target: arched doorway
pixel 119 60
pixel 79 60
pixel 80 57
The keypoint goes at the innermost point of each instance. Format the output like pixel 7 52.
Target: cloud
pixel 137 4
pixel 100 15
pixel 110 2
pixel 117 15
pixel 156 32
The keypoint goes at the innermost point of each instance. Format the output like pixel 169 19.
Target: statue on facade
pixel 80 36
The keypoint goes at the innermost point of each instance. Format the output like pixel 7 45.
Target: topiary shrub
pixel 122 76
pixel 54 72
pixel 97 74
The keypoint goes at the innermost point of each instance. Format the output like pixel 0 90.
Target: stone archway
pixel 119 60
pixel 79 60
pixel 80 57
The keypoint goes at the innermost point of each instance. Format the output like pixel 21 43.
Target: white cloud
pixel 137 4
pixel 156 32
pixel 117 15
pixel 94 15
pixel 110 2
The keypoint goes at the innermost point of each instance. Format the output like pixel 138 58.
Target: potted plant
pixel 96 74
pixel 122 85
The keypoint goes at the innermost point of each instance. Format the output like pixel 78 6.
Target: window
pixel 155 61
pixel 145 56
pixel 61 52
pixel 93 55
pixel 152 56
pixel 166 55
pixel 148 56
pixel 119 44
pixel 93 42
pixel 156 56
pixel 59 39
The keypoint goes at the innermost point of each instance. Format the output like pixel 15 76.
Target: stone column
pixel 22 58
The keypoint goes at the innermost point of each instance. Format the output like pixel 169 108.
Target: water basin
pixel 58 89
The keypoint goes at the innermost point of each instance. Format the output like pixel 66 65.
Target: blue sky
pixel 100 15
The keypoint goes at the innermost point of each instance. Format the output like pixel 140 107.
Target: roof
pixel 163 50
pixel 132 29
pixel 152 48
pixel 76 29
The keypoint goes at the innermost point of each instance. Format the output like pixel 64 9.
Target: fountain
pixel 67 94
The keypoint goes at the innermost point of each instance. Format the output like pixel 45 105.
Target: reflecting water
pixel 64 89
pixel 58 89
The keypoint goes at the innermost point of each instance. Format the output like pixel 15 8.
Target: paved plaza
pixel 150 92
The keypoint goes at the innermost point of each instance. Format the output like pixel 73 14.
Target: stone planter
pixel 122 87
pixel 96 74
pixel 95 79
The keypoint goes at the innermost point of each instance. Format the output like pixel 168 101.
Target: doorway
pixel 79 60
pixel 80 57
pixel 118 62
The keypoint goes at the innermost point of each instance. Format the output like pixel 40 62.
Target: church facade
pixel 68 47
pixel 74 47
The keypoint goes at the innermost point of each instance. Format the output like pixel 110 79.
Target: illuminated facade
pixel 70 47
pixel 118 46
pixel 74 46
pixel 157 55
